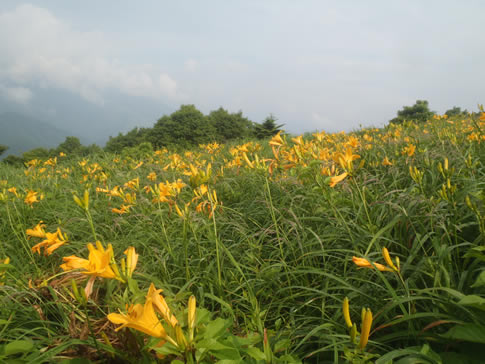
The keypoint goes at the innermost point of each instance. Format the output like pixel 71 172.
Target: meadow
pixel 354 247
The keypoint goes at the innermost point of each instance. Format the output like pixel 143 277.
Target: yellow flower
pixel 365 329
pixel 387 258
pixel 386 162
pixel 346 313
pixel 131 260
pixel 122 210
pixel 51 243
pixel 141 318
pixel 345 159
pixel 364 263
pixel 161 305
pixel 97 264
pixel 33 197
pixel 152 176
pixel 337 179
pixel 13 190
pixel 37 231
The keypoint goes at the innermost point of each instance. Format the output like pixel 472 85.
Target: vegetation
pixel 419 112
pixel 360 247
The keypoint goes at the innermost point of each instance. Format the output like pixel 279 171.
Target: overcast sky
pixel 316 65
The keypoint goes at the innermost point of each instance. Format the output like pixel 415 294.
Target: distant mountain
pixel 22 133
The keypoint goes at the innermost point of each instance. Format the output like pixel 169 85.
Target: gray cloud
pixel 20 95
pixel 42 50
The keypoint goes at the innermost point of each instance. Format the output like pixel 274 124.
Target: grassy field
pixel 324 248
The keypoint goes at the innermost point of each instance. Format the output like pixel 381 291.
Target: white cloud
pixel 20 95
pixel 41 50
pixel 191 65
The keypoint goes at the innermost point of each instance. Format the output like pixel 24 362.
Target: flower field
pixel 323 248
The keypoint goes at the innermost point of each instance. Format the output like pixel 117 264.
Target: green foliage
pixel 186 127
pixel 3 148
pixel 456 111
pixel 37 153
pixel 274 258
pixel 230 126
pixel 419 112
pixel 130 139
pixel 268 128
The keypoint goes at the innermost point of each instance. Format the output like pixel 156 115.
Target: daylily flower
pixel 33 197
pixel 161 305
pixel 98 264
pixel 141 318
pixel 337 179
pixel 52 242
pixel 37 231
pixel 386 162
pixel 131 261
pixel 364 263
pixel 365 328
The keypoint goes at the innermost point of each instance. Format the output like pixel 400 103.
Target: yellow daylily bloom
pixel 140 317
pixel 365 329
pixel 52 242
pixel 33 197
pixel 346 313
pixel 37 231
pixel 131 260
pixel 337 179
pixel 386 162
pixel 387 258
pixel 161 305
pixel 97 264
pixel 364 263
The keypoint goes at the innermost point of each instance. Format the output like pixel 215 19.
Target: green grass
pixel 276 254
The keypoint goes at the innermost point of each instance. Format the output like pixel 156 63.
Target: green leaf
pixel 467 332
pixel 17 347
pixel 480 282
pixel 167 349
pixel 255 353
pixel 474 301
pixel 282 345
pixel 215 328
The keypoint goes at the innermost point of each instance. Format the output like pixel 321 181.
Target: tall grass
pixel 271 251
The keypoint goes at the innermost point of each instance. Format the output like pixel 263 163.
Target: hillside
pixel 22 133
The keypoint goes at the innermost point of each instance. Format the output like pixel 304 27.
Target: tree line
pixel 185 128
pixel 188 127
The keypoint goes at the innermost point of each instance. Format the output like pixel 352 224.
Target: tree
pixel 71 145
pixel 3 148
pixel 418 112
pixel 268 128
pixel 456 111
pixel 185 127
pixel 130 139
pixel 230 126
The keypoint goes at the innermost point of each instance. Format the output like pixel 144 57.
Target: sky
pixel 99 67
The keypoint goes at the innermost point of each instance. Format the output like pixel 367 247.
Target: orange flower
pixel 337 179
pixel 51 243
pixel 141 318
pixel 364 263
pixel 37 231
pixel 33 197
pixel 161 305
pixel 97 264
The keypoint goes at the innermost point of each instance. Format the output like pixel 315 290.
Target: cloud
pixel 40 50
pixel 20 95
pixel 191 65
